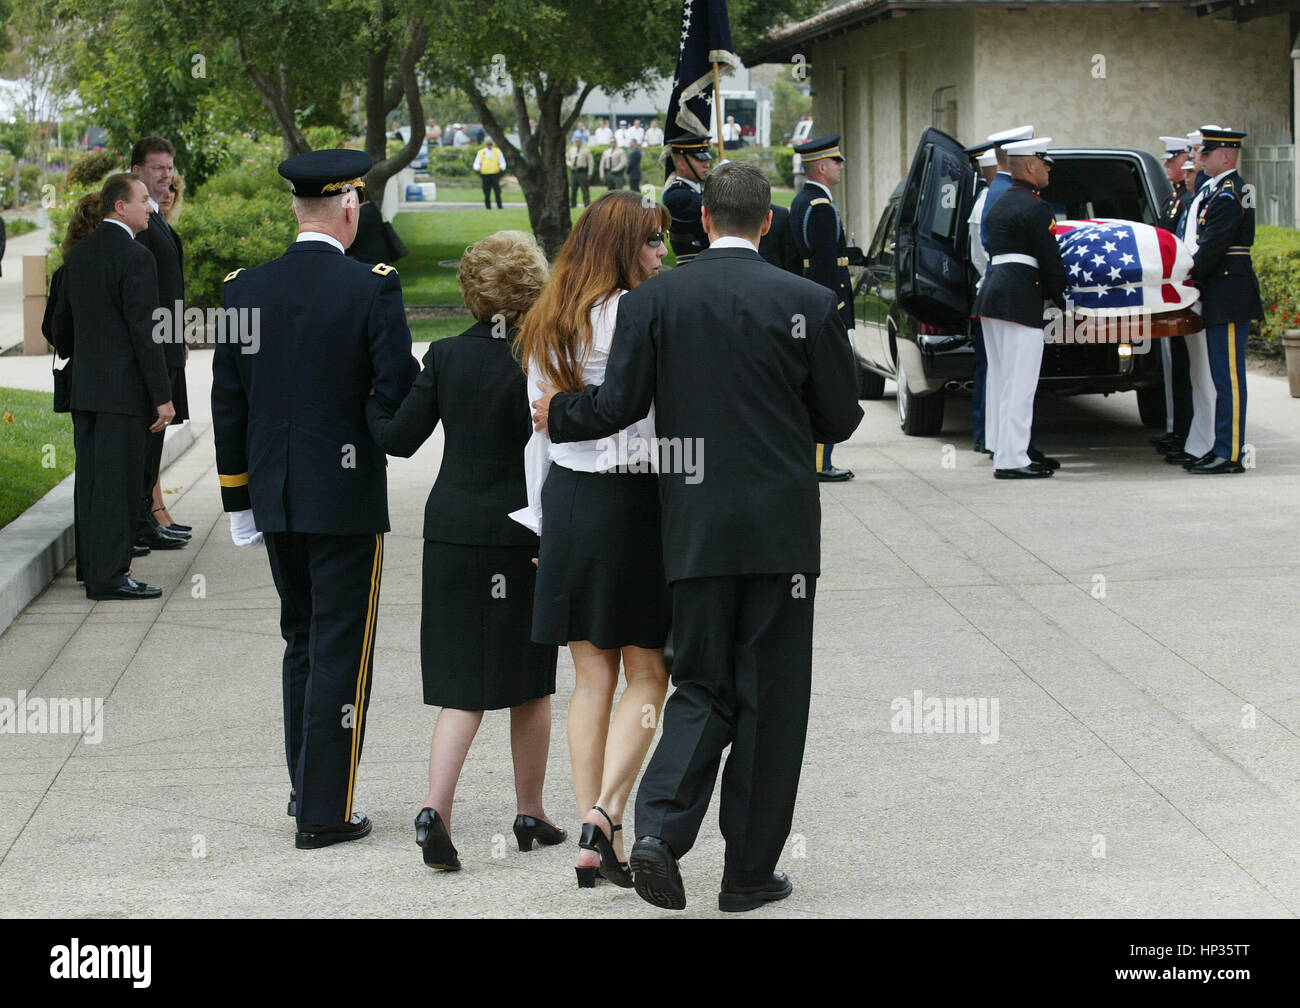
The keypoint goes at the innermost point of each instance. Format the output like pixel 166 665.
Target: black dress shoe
pixel 130 588
pixel 159 538
pixel 292 808
pixel 1031 471
pixel 834 475
pixel 733 899
pixel 311 837
pixel 1214 466
pixel 1168 443
pixel 528 829
pixel 431 834
pixel 178 528
pixel 655 874
pixel 1180 458
pixel 1209 456
pixel 979 447
pixel 138 551
pixel 1035 456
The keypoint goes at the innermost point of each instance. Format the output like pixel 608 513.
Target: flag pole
pixel 717 107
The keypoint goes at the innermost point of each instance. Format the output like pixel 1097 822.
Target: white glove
pixel 243 529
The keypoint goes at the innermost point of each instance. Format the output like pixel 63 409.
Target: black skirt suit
pixel 475 646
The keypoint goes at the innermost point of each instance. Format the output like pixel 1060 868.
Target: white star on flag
pixel 1125 259
pixel 1098 260
pixel 1108 247
pixel 1114 273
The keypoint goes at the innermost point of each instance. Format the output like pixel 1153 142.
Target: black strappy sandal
pixel 611 868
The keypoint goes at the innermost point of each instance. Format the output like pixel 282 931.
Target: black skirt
pixel 601 568
pixel 475 652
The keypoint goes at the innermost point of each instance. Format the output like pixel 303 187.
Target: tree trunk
pixel 539 167
pixel 276 91
pixel 406 83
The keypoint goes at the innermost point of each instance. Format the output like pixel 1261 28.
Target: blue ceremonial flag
pixel 705 40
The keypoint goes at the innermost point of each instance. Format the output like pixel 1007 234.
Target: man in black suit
pixel 152 161
pixel 297 465
pixel 754 366
pixel 120 391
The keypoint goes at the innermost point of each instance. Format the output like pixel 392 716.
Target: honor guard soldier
pixel 687 157
pixel 819 239
pixel 1025 270
pixel 1173 351
pixel 297 466
pixel 1199 440
pixel 1222 269
pixel 987 164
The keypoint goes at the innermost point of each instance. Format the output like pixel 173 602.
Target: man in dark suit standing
pixel 750 365
pixel 297 465
pixel 120 391
pixel 152 161
pixel 777 245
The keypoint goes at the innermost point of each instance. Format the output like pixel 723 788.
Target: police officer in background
pixel 298 466
pixel 1173 351
pixel 1025 271
pixel 819 238
pixel 686 156
pixel 1222 269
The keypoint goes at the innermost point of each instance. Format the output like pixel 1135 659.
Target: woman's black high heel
pixel 611 868
pixel 431 834
pixel 528 829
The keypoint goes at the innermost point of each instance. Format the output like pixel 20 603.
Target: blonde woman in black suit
pixel 475 651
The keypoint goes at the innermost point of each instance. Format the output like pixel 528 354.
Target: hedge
pixel 1276 254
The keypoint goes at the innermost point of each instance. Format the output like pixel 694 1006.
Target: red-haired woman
pixel 600 580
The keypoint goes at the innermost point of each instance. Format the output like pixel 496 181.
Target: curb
pixel 37 544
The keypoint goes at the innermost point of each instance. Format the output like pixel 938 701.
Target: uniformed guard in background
pixel 819 237
pixel 1173 351
pixel 979 259
pixel 1025 270
pixel 686 156
pixel 297 466
pixel 1222 269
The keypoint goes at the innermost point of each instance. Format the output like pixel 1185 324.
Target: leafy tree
pixel 548 55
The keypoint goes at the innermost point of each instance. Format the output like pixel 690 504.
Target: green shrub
pixel 93 166
pixel 226 231
pixel 1276 254
pixel 60 214
pixel 325 137
pixel 784 161
pixel 451 162
pixel 19 226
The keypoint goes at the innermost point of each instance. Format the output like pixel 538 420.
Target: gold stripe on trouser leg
pixel 1236 392
pixel 363 672
pixel 820 449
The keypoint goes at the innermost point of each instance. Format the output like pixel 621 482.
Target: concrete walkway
pixel 1135 626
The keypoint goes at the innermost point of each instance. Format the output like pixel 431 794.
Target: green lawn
pixel 36 450
pixel 434 236
pixel 430 329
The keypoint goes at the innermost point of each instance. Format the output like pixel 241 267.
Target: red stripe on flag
pixel 1168 253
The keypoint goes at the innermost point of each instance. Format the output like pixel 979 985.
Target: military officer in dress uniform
pixel 298 466
pixel 1200 430
pixel 819 238
pixel 686 157
pixel 1222 269
pixel 979 260
pixel 1025 272
pixel 1173 351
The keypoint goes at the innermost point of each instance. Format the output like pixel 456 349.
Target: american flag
pixel 1113 267
pixel 705 40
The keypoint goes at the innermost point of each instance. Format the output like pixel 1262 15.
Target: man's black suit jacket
pixel 169 255
pixel 777 246
pixel 111 286
pixel 755 364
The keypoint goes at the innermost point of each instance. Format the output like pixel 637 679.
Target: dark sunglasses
pixel 655 240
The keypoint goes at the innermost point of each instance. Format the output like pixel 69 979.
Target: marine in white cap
pixel 1025 271
pixel 1173 351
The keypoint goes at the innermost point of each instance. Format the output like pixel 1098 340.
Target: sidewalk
pixel 1135 625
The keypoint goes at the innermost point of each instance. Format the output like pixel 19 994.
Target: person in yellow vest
pixel 490 163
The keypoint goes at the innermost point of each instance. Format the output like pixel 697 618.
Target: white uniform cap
pixel 1019 133
pixel 1174 145
pixel 1189 166
pixel 988 159
pixel 1026 148
pixel 1194 138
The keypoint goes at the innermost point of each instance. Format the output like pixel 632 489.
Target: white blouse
pixel 632 448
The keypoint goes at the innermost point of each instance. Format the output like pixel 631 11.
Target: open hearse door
pixel 933 263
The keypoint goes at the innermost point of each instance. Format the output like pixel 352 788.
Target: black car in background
pixel 912 299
